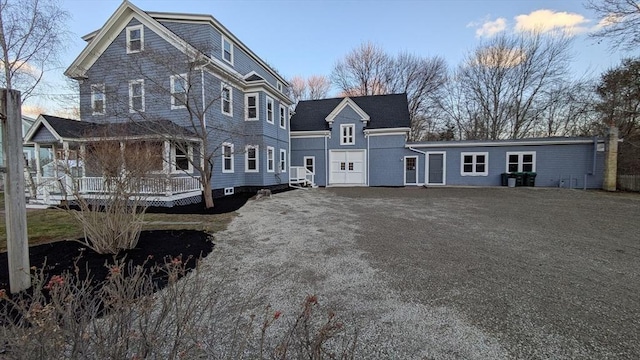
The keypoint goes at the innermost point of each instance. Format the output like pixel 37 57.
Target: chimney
pixel 611 161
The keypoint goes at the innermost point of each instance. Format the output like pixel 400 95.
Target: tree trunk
pixel 208 195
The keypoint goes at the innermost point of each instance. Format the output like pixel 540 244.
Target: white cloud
pixel 544 20
pixel 488 28
pixel 609 20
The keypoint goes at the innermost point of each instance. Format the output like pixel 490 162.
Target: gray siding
pixel 43 135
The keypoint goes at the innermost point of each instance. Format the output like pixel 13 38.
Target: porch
pixel 301 177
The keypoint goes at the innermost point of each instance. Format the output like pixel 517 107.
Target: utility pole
pixel 14 199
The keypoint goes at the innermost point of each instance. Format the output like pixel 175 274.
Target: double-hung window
pixel 227 158
pixel 474 164
pixel 227 50
pixel 97 99
pixel 347 134
pixel 251 158
pixel 283 160
pixel 182 154
pixel 227 100
pixel 135 39
pixel 270 158
pixel 179 91
pixel 521 161
pixel 270 110
pixel 136 96
pixel 251 107
pixel 283 117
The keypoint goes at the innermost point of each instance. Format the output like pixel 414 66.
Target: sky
pixel 307 37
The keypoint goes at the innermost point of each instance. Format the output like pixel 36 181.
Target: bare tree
pixel 619 22
pixel 315 87
pixel 369 70
pixel 500 87
pixel 32 32
pixel 569 110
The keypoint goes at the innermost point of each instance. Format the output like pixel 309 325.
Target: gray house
pixel 362 141
pixel 163 71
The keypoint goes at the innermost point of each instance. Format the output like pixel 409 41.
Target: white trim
pixel 246 158
pixel 271 162
pixel 268 101
pixel 231 157
pixel 229 190
pixel 282 117
pixel 454 144
pixel 174 160
pixel 283 161
pixel 444 167
pixel 313 165
pixel 224 40
pixel 173 91
pixel 387 131
pixel 520 160
pixel 310 134
pixel 417 169
pixel 343 104
pixel 101 89
pixel 246 106
pixel 128 31
pixel 224 86
pixel 131 83
pixel 474 162
pixel 279 86
pixel 350 137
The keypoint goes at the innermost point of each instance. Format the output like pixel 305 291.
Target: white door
pixel 347 167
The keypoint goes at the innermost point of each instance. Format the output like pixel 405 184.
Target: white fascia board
pixel 309 134
pixel 343 104
pixel 449 144
pixel 387 131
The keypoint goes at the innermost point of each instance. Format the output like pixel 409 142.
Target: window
pixel 97 99
pixel 227 50
pixel 279 86
pixel 269 110
pixel 251 158
pixel 179 91
pixel 181 156
pixel 346 134
pixel 136 96
pixel 283 160
pixel 270 160
pixel 227 158
pixel 310 163
pixel 251 106
pixel 474 164
pixel 521 161
pixel 227 100
pixel 135 39
pixel 283 117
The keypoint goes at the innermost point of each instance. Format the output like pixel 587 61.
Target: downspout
pixel 368 156
pixel 425 163
pixel 204 107
pixel 326 163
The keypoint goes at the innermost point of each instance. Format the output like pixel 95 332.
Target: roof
pixel 385 111
pixel 554 140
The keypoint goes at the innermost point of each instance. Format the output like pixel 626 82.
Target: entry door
pixel 435 168
pixel 410 170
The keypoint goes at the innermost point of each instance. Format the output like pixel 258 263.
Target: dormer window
pixel 346 134
pixel 227 50
pixel 135 39
pixel 279 86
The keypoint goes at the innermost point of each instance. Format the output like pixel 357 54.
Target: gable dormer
pixel 347 102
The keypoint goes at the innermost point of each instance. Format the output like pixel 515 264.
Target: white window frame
pixel 98 89
pixel 474 163
pixel 231 157
pixel 176 104
pixel 520 160
pixel 345 137
pixel 224 87
pixel 246 107
pixel 129 30
pixel 174 162
pixel 279 86
pixel 283 161
pixel 283 117
pixel 131 84
pixel 270 113
pixel 246 158
pixel 271 159
pixel 224 41
pixel 313 163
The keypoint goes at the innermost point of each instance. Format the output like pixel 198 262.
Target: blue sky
pixel 307 37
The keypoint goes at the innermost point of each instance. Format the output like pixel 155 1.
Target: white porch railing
pixel 301 176
pixel 96 185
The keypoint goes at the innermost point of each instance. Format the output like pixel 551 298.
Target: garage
pixel 347 167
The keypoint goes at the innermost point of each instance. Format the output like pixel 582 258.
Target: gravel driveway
pixel 472 273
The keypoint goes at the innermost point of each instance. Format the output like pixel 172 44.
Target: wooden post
pixel 14 202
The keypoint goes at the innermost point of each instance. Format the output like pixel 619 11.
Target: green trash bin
pixel 519 178
pixel 530 179
pixel 504 177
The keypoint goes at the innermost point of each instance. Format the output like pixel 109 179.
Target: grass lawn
pixel 51 225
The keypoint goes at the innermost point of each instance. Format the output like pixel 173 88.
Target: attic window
pixel 135 39
pixel 227 50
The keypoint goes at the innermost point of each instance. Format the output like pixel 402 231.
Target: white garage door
pixel 347 167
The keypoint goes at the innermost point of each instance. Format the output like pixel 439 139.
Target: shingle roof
pixel 386 111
